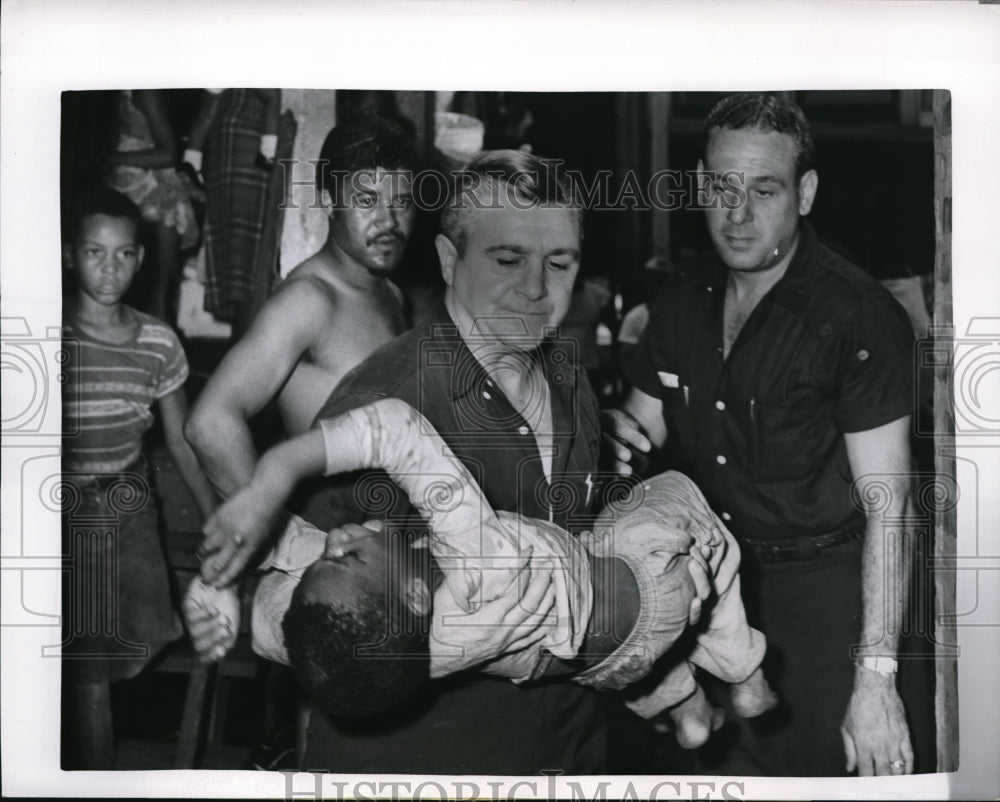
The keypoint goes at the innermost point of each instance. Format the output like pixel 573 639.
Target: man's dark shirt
pixel 469 723
pixel 827 351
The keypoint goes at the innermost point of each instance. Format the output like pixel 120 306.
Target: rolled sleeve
pixel 876 364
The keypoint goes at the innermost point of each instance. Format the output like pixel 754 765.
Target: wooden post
pixel 946 528
pixel 659 120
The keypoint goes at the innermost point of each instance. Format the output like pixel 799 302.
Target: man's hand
pixel 701 576
pixel 234 532
pixel 876 738
pixel 506 625
pixel 622 436
pixel 213 619
pixel 338 541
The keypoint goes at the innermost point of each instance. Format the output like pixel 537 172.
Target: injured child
pixel 364 621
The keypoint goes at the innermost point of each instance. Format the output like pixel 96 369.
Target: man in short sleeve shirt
pixel 778 376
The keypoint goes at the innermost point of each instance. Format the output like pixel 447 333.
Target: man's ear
pixel 417 596
pixel 67 256
pixel 448 256
pixel 142 257
pixel 807 191
pixel 326 201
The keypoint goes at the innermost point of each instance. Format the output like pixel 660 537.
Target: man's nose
pixel 389 214
pixel 533 286
pixel 742 212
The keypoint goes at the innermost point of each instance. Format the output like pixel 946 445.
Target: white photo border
pixel 49 46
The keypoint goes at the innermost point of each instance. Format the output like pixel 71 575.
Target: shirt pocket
pixel 781 441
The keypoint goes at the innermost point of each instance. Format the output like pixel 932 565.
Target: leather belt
pixel 802 548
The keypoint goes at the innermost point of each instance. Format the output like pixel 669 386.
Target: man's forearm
pixel 884 578
pixel 224 448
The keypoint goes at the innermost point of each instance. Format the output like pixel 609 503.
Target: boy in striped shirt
pixel 117 606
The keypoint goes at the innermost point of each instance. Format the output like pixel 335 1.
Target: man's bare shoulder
pixel 311 284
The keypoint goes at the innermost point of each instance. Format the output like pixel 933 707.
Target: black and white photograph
pixel 380 432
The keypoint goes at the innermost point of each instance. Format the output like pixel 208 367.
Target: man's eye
pixel 129 253
pixel 563 266
pixel 763 193
pixel 509 262
pixel 364 201
pixel 402 203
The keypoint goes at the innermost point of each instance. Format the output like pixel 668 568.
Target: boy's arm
pixel 173 408
pixel 250 375
pixel 478 554
pixel 203 121
pixel 240 525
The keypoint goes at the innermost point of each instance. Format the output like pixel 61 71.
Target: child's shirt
pixel 109 392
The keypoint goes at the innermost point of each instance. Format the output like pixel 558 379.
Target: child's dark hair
pixel 364 143
pixel 100 200
pixel 360 659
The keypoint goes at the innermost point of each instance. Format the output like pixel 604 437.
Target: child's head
pixel 357 630
pixel 102 245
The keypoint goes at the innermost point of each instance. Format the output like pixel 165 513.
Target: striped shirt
pixel 110 390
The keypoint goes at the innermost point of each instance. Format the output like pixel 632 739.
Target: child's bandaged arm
pixel 478 556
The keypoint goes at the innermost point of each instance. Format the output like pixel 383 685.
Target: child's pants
pixel 654 538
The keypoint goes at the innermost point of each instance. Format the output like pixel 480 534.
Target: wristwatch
pixel 881 665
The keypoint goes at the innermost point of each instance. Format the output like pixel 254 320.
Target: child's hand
pixel 213 619
pixel 233 533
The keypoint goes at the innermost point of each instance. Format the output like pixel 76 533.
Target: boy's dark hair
pixel 100 200
pixel 765 113
pixel 357 660
pixel 363 143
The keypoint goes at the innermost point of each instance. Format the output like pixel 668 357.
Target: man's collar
pixel 558 358
pixel 791 289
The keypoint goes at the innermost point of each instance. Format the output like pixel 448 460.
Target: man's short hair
pixel 364 143
pixel 531 179
pixel 100 200
pixel 748 110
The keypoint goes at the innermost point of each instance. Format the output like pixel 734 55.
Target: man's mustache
pixel 386 237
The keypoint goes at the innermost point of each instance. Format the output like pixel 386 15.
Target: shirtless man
pixel 330 313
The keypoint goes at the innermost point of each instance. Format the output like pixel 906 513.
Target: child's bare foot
pixel 753 696
pixel 695 719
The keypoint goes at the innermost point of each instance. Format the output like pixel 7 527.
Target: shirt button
pixel 522 429
pixel 720 405
pixel 726 516
pixel 720 459
pixel 486 395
